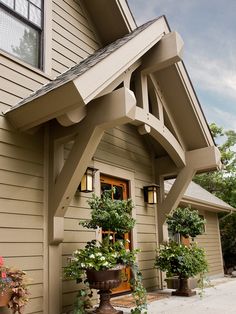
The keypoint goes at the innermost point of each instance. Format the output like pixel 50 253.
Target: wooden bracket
pixel 105 112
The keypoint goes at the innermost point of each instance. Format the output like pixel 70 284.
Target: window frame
pixel 39 29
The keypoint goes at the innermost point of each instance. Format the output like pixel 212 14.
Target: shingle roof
pixel 84 65
pixel 196 192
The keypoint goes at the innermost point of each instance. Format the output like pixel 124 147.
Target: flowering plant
pixel 13 281
pixel 99 256
pixel 5 281
pixel 181 260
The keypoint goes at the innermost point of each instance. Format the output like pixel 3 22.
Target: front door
pixel 121 193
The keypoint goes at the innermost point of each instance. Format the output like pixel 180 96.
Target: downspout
pixel 230 213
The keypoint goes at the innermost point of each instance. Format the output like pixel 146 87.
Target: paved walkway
pixel 216 300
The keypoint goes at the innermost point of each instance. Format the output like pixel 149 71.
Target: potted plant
pixel 183 260
pixel 99 264
pixel 13 288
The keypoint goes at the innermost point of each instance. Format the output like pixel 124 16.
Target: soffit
pixel 111 18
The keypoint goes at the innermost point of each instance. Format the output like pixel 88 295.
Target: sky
pixel 208 28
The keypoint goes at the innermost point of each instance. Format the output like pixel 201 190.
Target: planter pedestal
pixel 183 290
pixel 104 281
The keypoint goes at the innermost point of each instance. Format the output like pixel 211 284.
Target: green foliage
pixel 180 260
pixel 186 222
pixel 109 214
pixel 138 291
pixel 223 184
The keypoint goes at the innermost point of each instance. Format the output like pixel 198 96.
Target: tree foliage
pixel 222 183
pixel 186 222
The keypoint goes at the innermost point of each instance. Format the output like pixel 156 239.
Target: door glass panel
pixel 118 194
pixel 105 186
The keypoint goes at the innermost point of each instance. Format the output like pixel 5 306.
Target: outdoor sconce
pixel 87 182
pixel 150 193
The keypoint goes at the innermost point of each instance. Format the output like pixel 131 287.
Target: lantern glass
pixel 86 184
pixel 150 194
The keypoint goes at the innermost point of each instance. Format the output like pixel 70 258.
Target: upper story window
pixel 21 29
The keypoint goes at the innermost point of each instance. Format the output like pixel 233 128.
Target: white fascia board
pixel 126 14
pixel 206 205
pixel 97 78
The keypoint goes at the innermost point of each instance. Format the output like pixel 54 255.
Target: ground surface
pixel 216 300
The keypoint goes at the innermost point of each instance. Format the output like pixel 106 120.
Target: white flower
pixel 111 237
pixel 92 256
pixel 82 265
pixel 105 263
pixel 102 258
pixel 98 254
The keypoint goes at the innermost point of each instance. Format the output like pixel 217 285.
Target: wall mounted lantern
pixel 150 193
pixel 87 182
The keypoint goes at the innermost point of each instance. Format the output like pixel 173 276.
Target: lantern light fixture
pixel 150 193
pixel 87 182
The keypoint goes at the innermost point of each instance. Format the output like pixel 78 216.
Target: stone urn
pixel 183 289
pixel 104 281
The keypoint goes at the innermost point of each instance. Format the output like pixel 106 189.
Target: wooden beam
pixel 163 136
pixel 103 113
pixel 204 159
pixel 167 52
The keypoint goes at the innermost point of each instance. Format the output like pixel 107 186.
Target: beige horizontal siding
pixel 21 201
pixel 20 206
pixel 211 242
pixel 17 82
pixel 73 37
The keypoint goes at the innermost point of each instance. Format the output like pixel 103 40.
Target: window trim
pixel 39 29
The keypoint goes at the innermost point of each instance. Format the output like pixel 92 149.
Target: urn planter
pixel 104 281
pixel 183 289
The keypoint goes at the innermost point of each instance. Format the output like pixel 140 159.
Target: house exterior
pixel 82 86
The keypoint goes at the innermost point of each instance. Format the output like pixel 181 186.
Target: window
pixel 21 29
